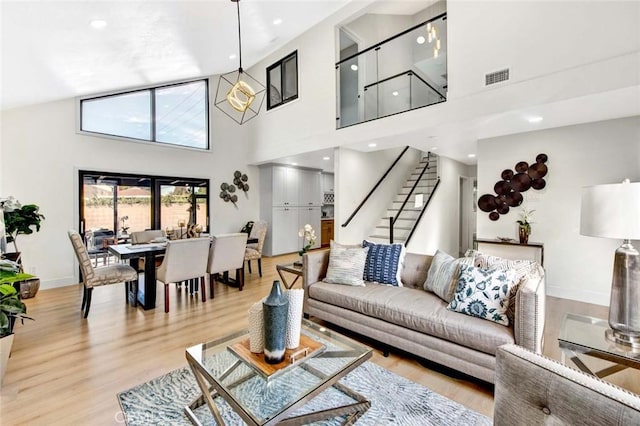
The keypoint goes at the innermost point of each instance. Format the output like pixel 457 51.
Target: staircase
pixel 410 214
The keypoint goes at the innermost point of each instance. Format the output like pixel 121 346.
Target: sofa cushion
pixel 384 263
pixel 443 274
pixel 415 309
pixel 346 265
pixel 483 293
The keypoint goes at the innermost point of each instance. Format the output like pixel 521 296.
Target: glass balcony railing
pixel 402 73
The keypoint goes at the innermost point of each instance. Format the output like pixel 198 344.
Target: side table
pixel 583 335
pixel 291 268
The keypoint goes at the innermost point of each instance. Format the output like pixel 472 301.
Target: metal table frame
pixel 292 269
pixel 211 388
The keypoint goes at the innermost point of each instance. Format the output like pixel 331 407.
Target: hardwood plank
pixel 68 370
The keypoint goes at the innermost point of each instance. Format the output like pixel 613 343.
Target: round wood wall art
pixel 487 203
pixel 509 190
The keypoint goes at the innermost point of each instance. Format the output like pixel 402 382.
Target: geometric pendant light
pixel 239 95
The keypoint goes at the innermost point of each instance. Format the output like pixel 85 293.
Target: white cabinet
pixel 285 186
pixel 311 216
pixel 310 191
pixel 327 182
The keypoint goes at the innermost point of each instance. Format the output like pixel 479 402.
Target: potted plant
pixel 524 225
pixel 11 309
pixel 19 220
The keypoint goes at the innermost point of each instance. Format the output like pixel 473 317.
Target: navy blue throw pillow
pixel 383 263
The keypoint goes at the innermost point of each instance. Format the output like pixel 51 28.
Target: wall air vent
pixel 496 77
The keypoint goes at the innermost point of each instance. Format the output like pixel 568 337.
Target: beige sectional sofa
pixel 416 321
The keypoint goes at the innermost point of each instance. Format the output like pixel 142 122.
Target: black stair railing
pixel 384 176
pixel 424 208
pixel 392 220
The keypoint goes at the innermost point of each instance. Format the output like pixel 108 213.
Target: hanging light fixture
pixel 239 95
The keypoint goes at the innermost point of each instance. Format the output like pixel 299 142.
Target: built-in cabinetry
pixel 328 196
pixel 289 199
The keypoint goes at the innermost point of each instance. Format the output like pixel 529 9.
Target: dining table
pixel 145 296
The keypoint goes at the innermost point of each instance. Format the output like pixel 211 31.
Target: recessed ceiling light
pixel 233 56
pixel 98 24
pixel 434 148
pixel 535 119
pixel 294 164
pixel 326 158
pixel 471 156
pixel 372 145
pixel 277 21
pixel 354 67
pixel 394 93
pixel 420 40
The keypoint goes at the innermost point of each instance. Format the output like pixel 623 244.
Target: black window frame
pixel 280 64
pixel 153 124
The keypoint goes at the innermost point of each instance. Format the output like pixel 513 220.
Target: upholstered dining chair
pixel 254 250
pixel 96 277
pixel 184 260
pixel 143 237
pixel 226 254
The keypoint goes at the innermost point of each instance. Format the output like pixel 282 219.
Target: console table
pixel 511 249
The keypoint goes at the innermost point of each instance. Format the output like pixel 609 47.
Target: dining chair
pixel 184 260
pixel 226 254
pixel 144 237
pixel 95 277
pixel 254 250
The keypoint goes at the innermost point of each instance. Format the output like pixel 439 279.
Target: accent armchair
pixel 96 277
pixel 227 254
pixel 254 250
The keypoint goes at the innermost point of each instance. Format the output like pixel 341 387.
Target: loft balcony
pixel 402 73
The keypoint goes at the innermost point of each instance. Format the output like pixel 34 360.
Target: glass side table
pixel 583 335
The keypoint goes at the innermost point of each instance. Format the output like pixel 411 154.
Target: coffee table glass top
pixel 263 399
pixel 587 335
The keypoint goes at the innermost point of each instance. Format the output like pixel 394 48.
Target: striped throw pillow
pixel 384 263
pixel 346 265
pixel 443 274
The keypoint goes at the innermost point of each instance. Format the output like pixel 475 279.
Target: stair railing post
pixel 391 229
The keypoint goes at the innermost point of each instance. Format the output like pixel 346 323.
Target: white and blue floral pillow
pixel 483 293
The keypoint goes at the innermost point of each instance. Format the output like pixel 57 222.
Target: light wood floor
pixel 67 370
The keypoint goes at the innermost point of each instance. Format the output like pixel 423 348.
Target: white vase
pixel 294 318
pixel 5 349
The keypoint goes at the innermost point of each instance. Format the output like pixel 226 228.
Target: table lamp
pixel 613 211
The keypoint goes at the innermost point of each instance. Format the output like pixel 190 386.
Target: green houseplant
pixel 11 309
pixel 22 221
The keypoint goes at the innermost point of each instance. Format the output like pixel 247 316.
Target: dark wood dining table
pixel 133 253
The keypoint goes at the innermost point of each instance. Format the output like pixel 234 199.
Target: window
pixel 282 81
pixel 123 203
pixel 177 114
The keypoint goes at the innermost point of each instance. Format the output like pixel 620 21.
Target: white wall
pixel 355 174
pixel 440 225
pixel 42 154
pixel 578 267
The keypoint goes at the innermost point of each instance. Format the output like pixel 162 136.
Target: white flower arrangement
pixel 309 235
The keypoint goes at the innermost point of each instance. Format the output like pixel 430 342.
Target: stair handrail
pixel 424 208
pixel 413 188
pixel 362 203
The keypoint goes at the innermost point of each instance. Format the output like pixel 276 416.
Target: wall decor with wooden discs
pixel 227 190
pixel 508 191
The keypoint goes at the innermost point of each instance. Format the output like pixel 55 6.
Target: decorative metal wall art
pixel 227 190
pixel 508 191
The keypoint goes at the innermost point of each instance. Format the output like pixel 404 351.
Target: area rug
pixel 394 400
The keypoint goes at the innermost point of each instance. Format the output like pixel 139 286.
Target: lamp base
pixel 623 339
pixel 624 307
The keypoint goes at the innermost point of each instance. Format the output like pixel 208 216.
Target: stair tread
pixel 395 228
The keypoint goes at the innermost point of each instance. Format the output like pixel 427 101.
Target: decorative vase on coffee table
pixel 275 310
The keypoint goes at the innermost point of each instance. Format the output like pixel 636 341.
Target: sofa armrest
pixel 531 389
pixel 314 269
pixel 528 326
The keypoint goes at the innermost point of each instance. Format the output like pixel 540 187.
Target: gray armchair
pixel 531 389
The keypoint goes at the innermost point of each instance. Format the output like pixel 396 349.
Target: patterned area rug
pixel 394 400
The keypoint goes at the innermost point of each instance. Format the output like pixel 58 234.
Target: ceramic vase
pixel 256 328
pixel 523 233
pixel 294 318
pixel 275 310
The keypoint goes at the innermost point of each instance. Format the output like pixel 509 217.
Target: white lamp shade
pixel 611 211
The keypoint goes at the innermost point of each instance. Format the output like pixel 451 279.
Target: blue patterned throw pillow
pixel 483 293
pixel 384 263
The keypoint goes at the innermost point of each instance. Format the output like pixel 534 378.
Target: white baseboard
pixel 586 296
pixel 60 282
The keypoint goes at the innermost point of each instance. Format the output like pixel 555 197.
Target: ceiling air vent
pixel 496 77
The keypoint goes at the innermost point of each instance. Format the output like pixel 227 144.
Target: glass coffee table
pixel 266 400
pixel 580 334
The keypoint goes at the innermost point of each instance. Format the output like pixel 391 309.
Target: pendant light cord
pixel 239 37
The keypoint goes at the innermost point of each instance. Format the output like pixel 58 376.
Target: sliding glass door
pixel 115 205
